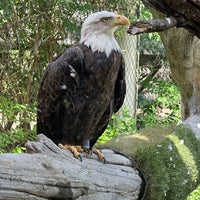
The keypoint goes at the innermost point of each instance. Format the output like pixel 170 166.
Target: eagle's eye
pixel 105 19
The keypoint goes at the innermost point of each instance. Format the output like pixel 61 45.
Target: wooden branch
pixel 48 172
pixel 152 26
pixel 187 13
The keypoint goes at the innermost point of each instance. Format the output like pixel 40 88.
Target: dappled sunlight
pixel 129 144
pixel 186 156
pixel 141 137
pixel 171 165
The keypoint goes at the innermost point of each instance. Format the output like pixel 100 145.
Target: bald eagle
pixel 82 87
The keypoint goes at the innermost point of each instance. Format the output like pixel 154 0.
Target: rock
pixel 48 172
pixel 193 122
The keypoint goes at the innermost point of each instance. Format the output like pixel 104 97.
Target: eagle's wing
pixel 115 104
pixel 61 79
pixel 120 88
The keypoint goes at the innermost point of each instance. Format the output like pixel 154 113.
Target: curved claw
pixel 76 150
pixel 99 154
pixel 87 150
pixel 104 160
pixel 80 157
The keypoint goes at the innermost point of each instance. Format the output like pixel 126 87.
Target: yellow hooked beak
pixel 121 20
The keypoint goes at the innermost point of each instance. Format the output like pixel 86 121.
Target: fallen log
pixel 48 172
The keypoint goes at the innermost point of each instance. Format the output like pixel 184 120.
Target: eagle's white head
pixel 98 31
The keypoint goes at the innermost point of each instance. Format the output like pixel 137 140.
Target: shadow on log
pixel 48 172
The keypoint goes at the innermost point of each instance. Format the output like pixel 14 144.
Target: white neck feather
pixel 101 42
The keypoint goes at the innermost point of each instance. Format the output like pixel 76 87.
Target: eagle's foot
pixel 99 154
pixel 76 150
pixel 87 150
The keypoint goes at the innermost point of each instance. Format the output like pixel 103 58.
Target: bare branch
pixel 152 26
pixel 187 14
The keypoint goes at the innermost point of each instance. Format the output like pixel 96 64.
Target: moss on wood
pixel 168 157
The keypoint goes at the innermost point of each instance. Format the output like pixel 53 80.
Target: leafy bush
pixel 15 139
pixel 158 95
pixel 14 118
pixel 163 105
pixel 13 113
pixel 121 123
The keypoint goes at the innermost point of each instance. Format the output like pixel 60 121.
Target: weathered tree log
pixel 48 172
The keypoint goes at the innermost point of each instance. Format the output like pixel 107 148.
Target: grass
pixel 195 195
pixel 168 156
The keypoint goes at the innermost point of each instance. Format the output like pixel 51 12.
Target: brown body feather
pixel 79 93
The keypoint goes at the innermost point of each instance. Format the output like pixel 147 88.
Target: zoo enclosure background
pixel 32 33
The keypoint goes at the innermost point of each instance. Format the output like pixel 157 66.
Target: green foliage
pixel 32 32
pixel 145 14
pixel 13 112
pixel 163 107
pixel 121 123
pixel 15 139
pixel 159 100
pixel 149 42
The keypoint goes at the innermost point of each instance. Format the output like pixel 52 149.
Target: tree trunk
pixel 183 53
pixel 52 173
pixel 183 50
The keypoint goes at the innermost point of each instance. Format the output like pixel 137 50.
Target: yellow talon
pixel 98 153
pixel 76 150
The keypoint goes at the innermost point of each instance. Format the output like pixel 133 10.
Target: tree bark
pixel 152 26
pixel 187 13
pixel 52 173
pixel 183 53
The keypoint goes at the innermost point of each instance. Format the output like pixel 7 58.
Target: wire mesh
pixel 130 51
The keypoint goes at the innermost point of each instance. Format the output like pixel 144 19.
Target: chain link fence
pixel 129 45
